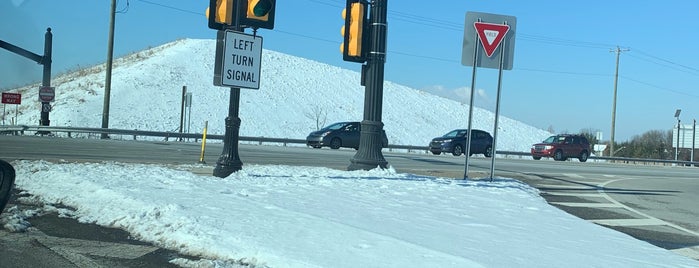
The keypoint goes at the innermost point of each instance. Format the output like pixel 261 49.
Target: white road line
pixel 610 199
pixel 630 222
pixel 96 248
pixel 573 175
pixel 79 251
pixel 692 252
pixel 566 186
pixel 588 205
pixel 573 194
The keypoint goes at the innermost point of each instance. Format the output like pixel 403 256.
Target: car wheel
pixel 335 143
pixel 457 151
pixel 316 146
pixel 536 157
pixel 436 152
pixel 7 178
pixel 583 156
pixel 558 156
pixel 488 151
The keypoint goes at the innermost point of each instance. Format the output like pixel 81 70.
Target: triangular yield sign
pixel 490 35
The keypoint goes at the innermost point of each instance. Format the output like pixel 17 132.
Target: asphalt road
pixel 651 203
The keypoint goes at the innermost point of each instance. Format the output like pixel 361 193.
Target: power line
pixel 660 88
pixel 171 7
pixel 668 61
pixel 452 26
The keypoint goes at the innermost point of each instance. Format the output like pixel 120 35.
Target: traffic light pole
pixel 44 60
pixel 46 77
pixel 369 154
pixel 229 161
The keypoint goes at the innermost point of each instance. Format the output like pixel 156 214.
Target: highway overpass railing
pixel 96 132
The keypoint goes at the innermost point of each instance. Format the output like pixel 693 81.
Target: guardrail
pixel 20 129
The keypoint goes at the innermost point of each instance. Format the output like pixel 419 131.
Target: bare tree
pixel 590 134
pixel 318 115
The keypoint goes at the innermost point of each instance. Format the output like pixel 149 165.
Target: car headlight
pixel 446 141
pixel 548 147
pixel 325 133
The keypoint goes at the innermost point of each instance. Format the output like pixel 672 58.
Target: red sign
pixel 46 94
pixel 11 98
pixel 491 35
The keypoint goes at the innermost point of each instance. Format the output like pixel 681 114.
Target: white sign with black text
pixel 241 60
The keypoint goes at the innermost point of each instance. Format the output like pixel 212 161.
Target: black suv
pixel 562 147
pixel 342 134
pixel 454 142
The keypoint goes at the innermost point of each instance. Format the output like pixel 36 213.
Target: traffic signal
pixel 353 32
pixel 258 14
pixel 223 16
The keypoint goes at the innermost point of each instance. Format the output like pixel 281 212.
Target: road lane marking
pixel 610 199
pixel 573 194
pixel 79 252
pixel 96 248
pixel 630 222
pixel 692 252
pixel 587 205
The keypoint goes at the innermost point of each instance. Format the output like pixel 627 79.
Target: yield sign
pixel 490 35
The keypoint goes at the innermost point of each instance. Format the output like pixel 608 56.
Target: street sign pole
pixel 490 30
pixel 44 60
pixel 46 79
pixel 497 108
pixel 470 106
pixel 229 161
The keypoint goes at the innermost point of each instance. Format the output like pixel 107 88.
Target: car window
pixel 451 134
pixel 335 126
pixel 550 139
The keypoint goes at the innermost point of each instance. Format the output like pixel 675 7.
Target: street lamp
pixel 677 149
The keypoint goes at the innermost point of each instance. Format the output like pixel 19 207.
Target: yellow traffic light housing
pixel 354 30
pixel 258 14
pixel 223 17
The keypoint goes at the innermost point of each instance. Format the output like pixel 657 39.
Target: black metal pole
pixel 184 93
pixel 369 154
pixel 677 150
pixel 46 78
pixel 229 161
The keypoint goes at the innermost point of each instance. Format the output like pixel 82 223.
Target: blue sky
pixel 563 74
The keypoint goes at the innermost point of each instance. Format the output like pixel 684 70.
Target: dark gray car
pixel 455 142
pixel 341 134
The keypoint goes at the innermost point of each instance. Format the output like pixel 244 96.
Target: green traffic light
pixel 261 8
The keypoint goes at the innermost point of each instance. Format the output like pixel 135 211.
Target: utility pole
pixel 108 78
pixel 616 79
